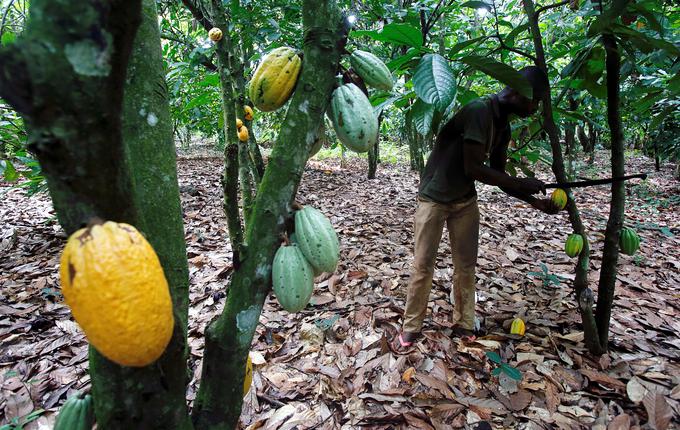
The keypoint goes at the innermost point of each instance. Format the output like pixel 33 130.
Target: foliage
pixel 546 277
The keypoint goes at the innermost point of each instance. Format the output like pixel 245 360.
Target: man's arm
pixel 473 159
pixel 497 161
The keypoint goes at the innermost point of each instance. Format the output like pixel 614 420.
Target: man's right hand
pixel 530 186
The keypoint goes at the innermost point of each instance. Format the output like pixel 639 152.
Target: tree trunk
pixel 228 338
pixel 570 139
pixel 610 253
pixel 73 106
pixel 374 153
pixel 581 279
pixel 230 177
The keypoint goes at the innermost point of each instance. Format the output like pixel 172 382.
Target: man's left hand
pixel 545 205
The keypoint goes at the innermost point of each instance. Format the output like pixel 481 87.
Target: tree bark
pixel 581 279
pixel 228 338
pixel 610 252
pixel 230 177
pixel 66 76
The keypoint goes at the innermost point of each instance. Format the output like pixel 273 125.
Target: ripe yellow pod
pixel 275 78
pixel 517 327
pixel 243 134
pixel 215 34
pixel 248 113
pixel 559 198
pixel 114 284
pixel 248 380
pixel 239 123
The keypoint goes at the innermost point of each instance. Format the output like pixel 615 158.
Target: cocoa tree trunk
pixel 87 142
pixel 581 279
pixel 610 253
pixel 228 338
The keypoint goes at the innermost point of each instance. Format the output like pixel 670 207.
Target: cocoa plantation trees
pixel 95 105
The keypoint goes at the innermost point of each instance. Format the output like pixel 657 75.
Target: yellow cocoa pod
pixel 559 198
pixel 114 284
pixel 248 380
pixel 248 113
pixel 517 327
pixel 275 78
pixel 243 134
pixel 215 34
pixel 239 123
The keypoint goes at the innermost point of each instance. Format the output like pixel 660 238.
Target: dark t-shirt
pixel 443 179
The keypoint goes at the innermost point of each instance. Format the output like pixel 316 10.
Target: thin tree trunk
pixel 230 177
pixel 374 154
pixel 73 108
pixel 228 338
pixel 581 279
pixel 610 252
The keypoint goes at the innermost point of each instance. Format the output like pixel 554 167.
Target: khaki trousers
pixel 462 222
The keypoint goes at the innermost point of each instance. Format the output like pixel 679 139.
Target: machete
pixel 596 181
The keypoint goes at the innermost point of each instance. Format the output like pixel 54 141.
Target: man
pixel 480 131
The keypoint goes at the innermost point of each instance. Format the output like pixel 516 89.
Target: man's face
pixel 525 107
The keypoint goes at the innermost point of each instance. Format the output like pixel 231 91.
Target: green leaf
pixel 462 45
pixel 644 42
pixel 199 101
pixel 400 34
pixel 652 21
pixel 500 71
pixel 604 21
pixel 210 80
pixel 400 61
pixel 422 116
pixel 7 38
pixel 476 4
pixel 434 82
pixel 8 171
pixel 493 356
pixel 511 372
pixel 658 119
pixel 497 371
pixel 510 37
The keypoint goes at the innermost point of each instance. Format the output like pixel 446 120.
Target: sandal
pixel 466 335
pixel 401 346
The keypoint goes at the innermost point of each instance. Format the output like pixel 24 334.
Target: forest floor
pixel 331 365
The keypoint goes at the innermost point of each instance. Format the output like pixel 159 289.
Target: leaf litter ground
pixel 331 366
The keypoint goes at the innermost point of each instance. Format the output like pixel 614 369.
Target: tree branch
pixel 502 43
pixel 196 9
pixel 550 6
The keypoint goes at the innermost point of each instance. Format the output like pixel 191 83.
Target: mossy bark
pixel 581 279
pixel 99 165
pixel 228 338
pixel 157 399
pixel 610 252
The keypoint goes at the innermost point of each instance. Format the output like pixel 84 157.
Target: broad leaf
pixel 434 81
pixel 500 71
pixel 422 116
pixel 400 34
pixel 400 61
pixel 462 45
pixel 493 356
pixel 604 21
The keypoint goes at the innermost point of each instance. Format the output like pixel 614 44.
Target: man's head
pixel 520 105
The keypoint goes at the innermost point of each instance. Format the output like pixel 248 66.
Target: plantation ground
pixel 331 366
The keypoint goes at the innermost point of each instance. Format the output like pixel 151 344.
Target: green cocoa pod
pixel 76 413
pixel 292 278
pixel 371 69
pixel 317 239
pixel 629 241
pixel 573 245
pixel 353 119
